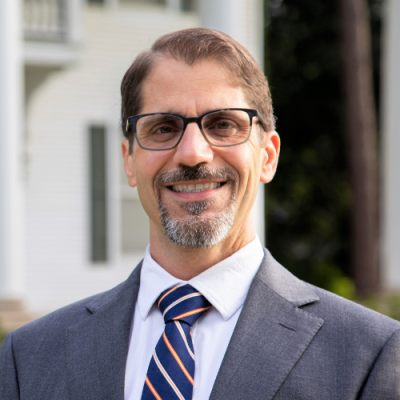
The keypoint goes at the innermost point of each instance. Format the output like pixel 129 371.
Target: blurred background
pixel 70 226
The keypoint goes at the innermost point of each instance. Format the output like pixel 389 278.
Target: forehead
pixel 174 86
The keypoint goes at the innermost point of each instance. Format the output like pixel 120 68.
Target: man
pixel 208 313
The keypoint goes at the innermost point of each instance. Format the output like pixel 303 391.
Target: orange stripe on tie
pixel 191 313
pixel 178 360
pixel 166 294
pixel 154 391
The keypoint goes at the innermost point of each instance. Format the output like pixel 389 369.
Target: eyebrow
pixel 171 111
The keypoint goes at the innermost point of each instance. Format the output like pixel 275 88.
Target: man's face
pixel 230 175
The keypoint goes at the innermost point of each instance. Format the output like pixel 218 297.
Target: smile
pixel 196 188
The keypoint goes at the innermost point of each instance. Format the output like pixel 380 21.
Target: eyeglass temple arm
pixel 263 123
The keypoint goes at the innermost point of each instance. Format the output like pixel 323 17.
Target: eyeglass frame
pixel 132 121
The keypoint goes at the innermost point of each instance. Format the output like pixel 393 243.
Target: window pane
pixel 96 1
pixel 98 182
pixel 188 5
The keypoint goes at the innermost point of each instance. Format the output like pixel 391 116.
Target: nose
pixel 193 148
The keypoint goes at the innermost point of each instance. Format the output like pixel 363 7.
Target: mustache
pixel 198 172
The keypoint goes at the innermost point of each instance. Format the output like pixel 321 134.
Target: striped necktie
pixel 171 370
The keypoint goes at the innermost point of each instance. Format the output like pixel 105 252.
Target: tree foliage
pixel 309 200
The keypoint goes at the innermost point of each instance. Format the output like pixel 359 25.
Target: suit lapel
pixel 97 347
pixel 270 336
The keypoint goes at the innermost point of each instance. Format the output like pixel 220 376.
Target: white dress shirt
pixel 225 285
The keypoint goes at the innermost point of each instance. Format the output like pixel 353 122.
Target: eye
pixel 223 125
pixel 220 124
pixel 164 129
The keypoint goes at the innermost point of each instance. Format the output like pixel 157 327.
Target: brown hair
pixel 192 45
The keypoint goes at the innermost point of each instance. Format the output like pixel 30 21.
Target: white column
pixel 11 116
pixel 74 21
pixel 241 19
pixel 391 148
pixel 244 21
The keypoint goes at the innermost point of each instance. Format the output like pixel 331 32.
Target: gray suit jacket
pixel 292 341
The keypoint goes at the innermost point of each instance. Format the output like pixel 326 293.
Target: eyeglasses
pixel 220 128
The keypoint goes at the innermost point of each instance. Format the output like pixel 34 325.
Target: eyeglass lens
pixel 222 128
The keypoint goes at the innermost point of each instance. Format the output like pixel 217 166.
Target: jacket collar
pixel 283 283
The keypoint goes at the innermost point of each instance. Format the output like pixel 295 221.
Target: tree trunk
pixel 361 140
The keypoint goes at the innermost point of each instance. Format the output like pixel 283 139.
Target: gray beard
pixel 196 231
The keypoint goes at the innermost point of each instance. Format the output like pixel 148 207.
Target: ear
pixel 128 163
pixel 270 155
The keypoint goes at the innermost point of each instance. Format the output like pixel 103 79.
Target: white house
pixel 70 225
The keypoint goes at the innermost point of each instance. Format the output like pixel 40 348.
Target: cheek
pixel 147 165
pixel 145 170
pixel 246 162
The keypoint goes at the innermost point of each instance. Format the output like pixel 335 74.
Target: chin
pixel 198 231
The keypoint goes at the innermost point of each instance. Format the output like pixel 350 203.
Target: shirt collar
pixel 225 285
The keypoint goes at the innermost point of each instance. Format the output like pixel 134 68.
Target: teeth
pixel 198 187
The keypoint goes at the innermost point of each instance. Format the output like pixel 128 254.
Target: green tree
pixel 309 201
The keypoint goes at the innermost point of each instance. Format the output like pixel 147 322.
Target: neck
pixel 186 263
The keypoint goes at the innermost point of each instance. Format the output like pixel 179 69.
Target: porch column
pixel 11 116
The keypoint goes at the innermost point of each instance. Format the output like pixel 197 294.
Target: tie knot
pixel 183 303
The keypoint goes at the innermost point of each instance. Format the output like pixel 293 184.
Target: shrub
pixel 388 304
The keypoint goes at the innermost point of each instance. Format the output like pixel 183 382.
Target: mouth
pixel 196 187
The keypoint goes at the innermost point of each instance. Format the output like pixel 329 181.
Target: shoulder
pixel 344 321
pixel 50 328
pixel 335 308
pixel 350 326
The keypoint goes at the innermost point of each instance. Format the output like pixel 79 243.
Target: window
pixel 188 5
pixel 98 193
